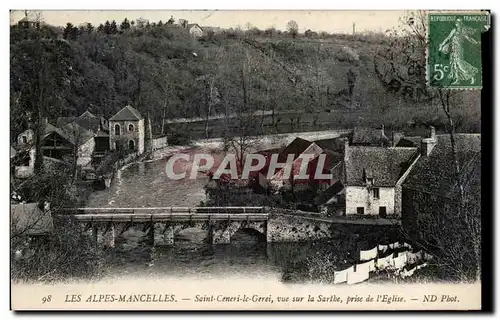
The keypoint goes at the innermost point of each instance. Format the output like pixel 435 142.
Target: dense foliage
pixel 161 70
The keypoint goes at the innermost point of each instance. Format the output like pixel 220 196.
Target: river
pixel 145 184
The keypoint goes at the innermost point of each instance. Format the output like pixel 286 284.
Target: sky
pixel 330 21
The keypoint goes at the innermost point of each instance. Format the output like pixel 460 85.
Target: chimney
pixel 429 143
pixel 432 132
pixel 346 143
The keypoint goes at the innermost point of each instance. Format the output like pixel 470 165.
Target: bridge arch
pixel 257 229
pixel 243 233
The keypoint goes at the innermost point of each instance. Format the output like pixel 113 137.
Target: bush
pixel 347 54
pixel 69 254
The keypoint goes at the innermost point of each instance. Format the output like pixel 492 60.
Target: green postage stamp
pixel 454 49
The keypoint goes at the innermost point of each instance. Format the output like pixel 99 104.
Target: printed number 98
pixel 46 299
pixel 439 71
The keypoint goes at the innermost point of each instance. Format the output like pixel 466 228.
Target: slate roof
pixel 335 144
pixel 29 217
pixel 62 121
pixel 435 173
pixel 90 123
pixel 88 114
pixel 409 142
pixel 127 114
pixel 296 147
pixel 369 137
pixel 190 25
pixel 384 165
pixel 77 134
pixel 101 134
pixel 326 195
pixel 49 128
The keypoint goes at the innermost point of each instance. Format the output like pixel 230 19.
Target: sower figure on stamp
pixel 460 70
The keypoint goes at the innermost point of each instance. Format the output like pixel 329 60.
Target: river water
pixel 146 184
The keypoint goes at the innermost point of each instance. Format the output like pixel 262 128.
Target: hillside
pixel 163 72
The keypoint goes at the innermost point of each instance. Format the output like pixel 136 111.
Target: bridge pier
pixel 105 236
pixel 163 234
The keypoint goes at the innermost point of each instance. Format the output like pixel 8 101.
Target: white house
pixel 195 30
pixel 373 178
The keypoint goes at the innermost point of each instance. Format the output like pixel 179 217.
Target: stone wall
pixel 160 143
pixel 294 229
pixel 363 197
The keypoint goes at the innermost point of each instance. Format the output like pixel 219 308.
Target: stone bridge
pixel 161 225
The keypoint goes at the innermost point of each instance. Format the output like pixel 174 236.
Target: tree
pixel 70 32
pixel 113 28
pixel 401 68
pixel 141 22
pixel 107 27
pixel 293 28
pixel 171 20
pixel 89 28
pixel 125 25
pixel 351 81
pixel 41 73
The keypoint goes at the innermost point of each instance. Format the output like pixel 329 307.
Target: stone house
pixel 57 143
pixel 127 130
pixel 373 178
pixel 430 190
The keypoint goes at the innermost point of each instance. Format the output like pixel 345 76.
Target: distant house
pixel 362 136
pixel 373 178
pixel 57 144
pixel 194 30
pixel 431 189
pixel 97 124
pixel 127 130
pixel 298 147
pixel 28 23
pixel 83 139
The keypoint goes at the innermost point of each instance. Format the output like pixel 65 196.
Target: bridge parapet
pixel 164 210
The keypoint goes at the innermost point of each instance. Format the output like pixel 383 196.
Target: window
pixel 360 210
pixel 130 127
pixel 382 212
pixel 25 139
pixel 117 129
pixel 131 145
pixel 370 181
pixel 117 145
pixel 376 193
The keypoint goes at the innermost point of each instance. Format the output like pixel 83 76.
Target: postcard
pixel 247 160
